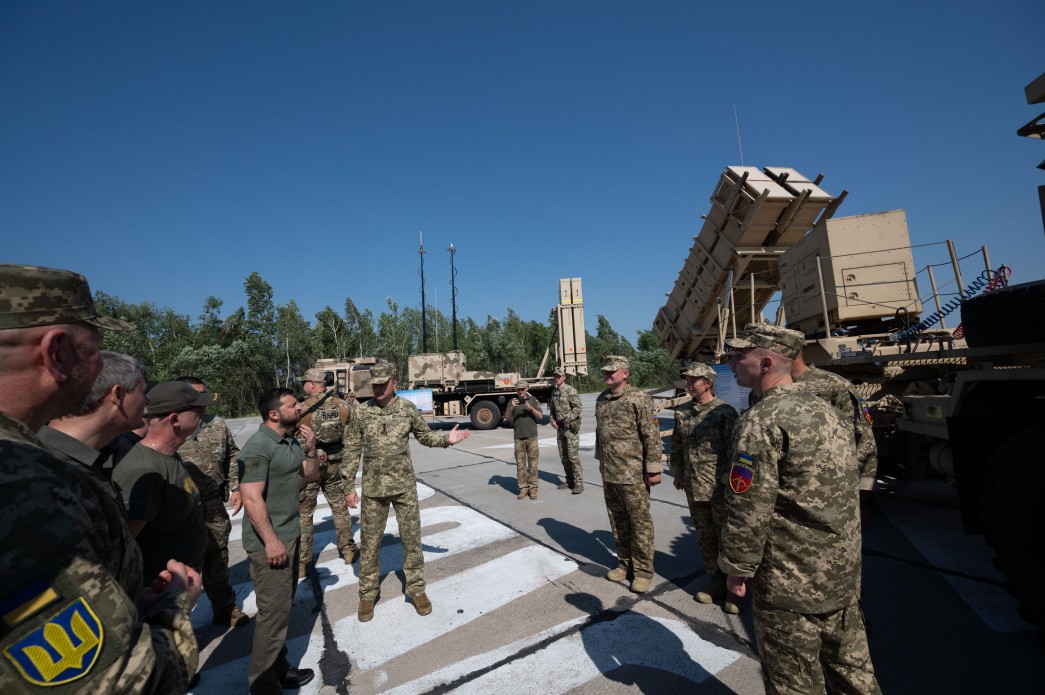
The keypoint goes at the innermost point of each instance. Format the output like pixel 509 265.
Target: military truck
pixel 484 395
pixel 348 376
pixel 967 405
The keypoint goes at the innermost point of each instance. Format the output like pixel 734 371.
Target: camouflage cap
pixel 559 371
pixel 316 375
pixel 520 384
pixel 174 396
pixel 615 362
pixel 35 296
pixel 783 341
pixel 380 373
pixel 699 369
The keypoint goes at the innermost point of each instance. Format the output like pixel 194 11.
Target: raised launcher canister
pixel 731 272
pixel 851 272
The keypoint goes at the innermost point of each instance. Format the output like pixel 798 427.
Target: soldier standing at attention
pixel 523 414
pixel 272 466
pixel 72 603
pixel 627 445
pixel 210 459
pixel 699 464
pixel 326 415
pixel 380 432
pixel 791 524
pixel 565 406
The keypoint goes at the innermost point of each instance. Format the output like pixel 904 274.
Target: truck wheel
pixel 485 415
pixel 1007 316
pixel 1014 511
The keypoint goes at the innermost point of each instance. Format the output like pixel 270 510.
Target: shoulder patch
pixel 62 649
pixel 742 474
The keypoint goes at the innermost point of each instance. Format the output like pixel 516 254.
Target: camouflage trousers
pixel 373 517
pixel 526 464
pixel 334 491
pixel 215 569
pixel 707 520
pixel 570 455
pixel 800 651
pixel 632 527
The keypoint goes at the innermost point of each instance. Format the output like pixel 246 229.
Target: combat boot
pixel 617 574
pixel 350 554
pixel 715 590
pixel 233 617
pixel 564 486
pixel 521 495
pixel 640 585
pixel 366 611
pixel 578 488
pixel 533 493
pixel 421 604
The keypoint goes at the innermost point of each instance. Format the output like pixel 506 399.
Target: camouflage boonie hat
pixel 559 371
pixel 174 396
pixel 783 341
pixel 615 362
pixel 382 372
pixel 699 369
pixel 35 296
pixel 317 375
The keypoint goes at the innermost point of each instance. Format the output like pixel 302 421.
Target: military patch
pixel 867 412
pixel 742 473
pixel 62 649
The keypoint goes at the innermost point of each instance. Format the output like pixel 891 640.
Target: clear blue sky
pixel 168 149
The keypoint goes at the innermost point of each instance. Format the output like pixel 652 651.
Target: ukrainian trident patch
pixel 62 649
pixel 742 473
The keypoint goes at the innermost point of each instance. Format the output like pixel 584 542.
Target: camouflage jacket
pixel 565 405
pixel 627 442
pixel 209 458
pixel 72 582
pixel 700 445
pixel 791 509
pixel 382 437
pixel 838 392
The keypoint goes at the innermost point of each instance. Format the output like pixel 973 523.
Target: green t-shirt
pixel 276 461
pixel 523 421
pixel 157 489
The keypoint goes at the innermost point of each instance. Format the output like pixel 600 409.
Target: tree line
pixel 260 345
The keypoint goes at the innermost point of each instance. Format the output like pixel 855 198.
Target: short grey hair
pixel 117 369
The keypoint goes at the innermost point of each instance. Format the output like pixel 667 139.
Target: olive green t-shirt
pixel 157 489
pixel 523 421
pixel 276 461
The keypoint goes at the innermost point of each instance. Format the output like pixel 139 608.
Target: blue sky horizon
pixel 166 151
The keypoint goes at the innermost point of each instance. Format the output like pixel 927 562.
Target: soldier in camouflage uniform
pixel 565 406
pixel 74 610
pixel 380 433
pixel 627 445
pixel 837 391
pixel 210 459
pixel 523 413
pixel 791 525
pixel 327 415
pixel 699 464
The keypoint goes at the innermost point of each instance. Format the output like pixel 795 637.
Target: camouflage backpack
pixel 327 424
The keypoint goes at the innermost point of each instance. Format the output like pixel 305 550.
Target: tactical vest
pixel 327 425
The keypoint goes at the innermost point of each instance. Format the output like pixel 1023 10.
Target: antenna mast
pixel 737 121
pixel 453 292
pixel 424 325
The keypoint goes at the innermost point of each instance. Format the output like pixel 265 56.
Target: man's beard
pixel 289 422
